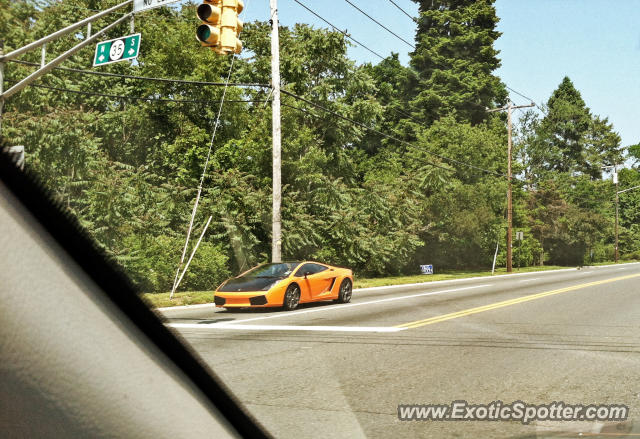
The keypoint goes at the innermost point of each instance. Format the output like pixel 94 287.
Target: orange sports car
pixel 286 284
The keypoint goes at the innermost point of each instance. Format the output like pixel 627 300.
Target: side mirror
pixel 307 273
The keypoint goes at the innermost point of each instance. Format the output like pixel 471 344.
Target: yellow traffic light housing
pixel 221 25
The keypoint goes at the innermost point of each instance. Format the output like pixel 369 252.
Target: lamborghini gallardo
pixel 286 285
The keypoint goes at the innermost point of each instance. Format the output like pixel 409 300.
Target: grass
pixel 158 300
pixel 444 275
pixel 622 261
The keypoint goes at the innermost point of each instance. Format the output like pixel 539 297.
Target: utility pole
pixel 615 178
pixel 509 196
pixel 509 107
pixel 276 228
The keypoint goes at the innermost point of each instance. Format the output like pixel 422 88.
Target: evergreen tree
pixel 570 139
pixel 564 129
pixel 455 60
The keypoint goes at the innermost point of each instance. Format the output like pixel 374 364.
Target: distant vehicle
pixel 286 284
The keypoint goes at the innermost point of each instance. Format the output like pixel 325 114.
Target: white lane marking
pixel 621 268
pixel 614 265
pixel 465 279
pixel 350 305
pixel 196 306
pixel 529 280
pixel 285 327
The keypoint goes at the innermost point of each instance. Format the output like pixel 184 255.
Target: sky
pixel 595 43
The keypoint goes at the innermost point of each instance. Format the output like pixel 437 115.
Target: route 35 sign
pixel 118 49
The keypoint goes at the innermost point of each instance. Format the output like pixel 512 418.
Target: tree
pixel 562 132
pixel 570 139
pixel 455 60
pixel 546 207
pixel 634 153
pixel 393 84
pixel 630 212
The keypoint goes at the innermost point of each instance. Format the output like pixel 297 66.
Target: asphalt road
pixel 340 371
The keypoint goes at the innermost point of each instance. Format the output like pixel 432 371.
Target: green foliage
pixel 570 140
pixel 634 153
pixel 129 167
pixel 454 59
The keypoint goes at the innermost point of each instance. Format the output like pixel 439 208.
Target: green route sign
pixel 118 49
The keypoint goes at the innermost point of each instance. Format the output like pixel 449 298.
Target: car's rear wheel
pixel 291 297
pixel 344 295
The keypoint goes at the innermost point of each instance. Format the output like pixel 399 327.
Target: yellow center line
pixel 467 312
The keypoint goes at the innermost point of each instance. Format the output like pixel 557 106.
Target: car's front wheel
pixel 344 296
pixel 291 297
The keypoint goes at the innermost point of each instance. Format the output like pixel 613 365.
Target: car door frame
pixel 316 288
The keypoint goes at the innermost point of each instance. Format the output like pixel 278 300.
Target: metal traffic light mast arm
pixel 629 189
pixel 46 68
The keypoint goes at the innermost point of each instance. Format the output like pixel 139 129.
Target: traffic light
pixel 221 25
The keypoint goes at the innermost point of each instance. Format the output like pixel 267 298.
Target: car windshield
pixel 282 269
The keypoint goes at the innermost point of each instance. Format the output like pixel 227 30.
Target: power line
pixel 526 97
pixel 140 98
pixel 250 100
pixel 403 11
pixel 389 136
pixel 304 110
pixel 177 81
pixel 148 78
pixel 340 30
pixel 404 113
pixel 321 107
pixel 380 24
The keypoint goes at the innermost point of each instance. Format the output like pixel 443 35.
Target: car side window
pixel 301 270
pixel 310 269
pixel 317 268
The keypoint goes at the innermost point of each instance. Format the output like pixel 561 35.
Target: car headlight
pixel 271 285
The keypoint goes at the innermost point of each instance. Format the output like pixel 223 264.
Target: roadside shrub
pixel 631 256
pixel 152 261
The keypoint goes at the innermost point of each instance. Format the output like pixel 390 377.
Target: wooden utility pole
pixel 509 197
pixel 615 177
pixel 276 227
pixel 509 107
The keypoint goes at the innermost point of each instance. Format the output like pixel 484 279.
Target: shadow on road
pixel 272 309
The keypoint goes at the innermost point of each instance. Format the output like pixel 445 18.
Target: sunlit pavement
pixel 330 370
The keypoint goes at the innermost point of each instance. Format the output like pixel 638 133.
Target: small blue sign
pixel 426 269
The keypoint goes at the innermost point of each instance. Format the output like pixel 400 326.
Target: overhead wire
pixel 140 98
pixel 288 93
pixel 389 136
pixel 380 24
pixel 285 92
pixel 147 78
pixel 304 110
pixel 346 34
pixel 227 83
pixel 526 97
pixel 403 11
